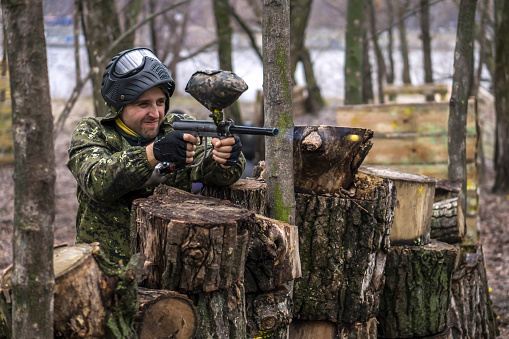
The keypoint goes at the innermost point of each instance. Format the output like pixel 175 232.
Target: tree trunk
pixel 34 170
pixel 317 147
pixel 380 62
pixel 314 101
pixel 426 46
pixel 501 162
pixel 416 298
pixel 224 32
pixel 458 104
pixel 277 84
pixel 403 44
pixel 93 298
pixel 390 40
pixel 367 81
pixel 299 15
pixel 412 217
pixel 165 314
pixel 353 52
pixel 100 27
pixel 471 313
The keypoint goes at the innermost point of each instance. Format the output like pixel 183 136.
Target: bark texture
pixel 277 100
pixel 343 244
pixel 416 297
pixel 471 313
pixel 34 169
pixel 448 221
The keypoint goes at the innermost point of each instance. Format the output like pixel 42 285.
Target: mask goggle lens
pixel 132 61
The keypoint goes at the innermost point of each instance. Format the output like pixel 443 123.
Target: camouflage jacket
pixel 111 174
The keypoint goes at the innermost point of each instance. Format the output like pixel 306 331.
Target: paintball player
pixel 114 158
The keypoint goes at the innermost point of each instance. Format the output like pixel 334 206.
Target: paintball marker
pixel 216 90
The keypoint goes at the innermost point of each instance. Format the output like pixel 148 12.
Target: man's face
pixel 146 114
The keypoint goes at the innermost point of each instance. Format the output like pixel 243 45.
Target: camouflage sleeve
pixel 103 172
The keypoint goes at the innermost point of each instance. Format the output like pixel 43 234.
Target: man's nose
pixel 153 110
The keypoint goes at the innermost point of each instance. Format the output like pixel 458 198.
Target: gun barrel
pixel 253 130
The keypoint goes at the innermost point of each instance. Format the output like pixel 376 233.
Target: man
pixel 114 158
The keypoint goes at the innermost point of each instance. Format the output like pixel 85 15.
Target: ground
pixel 493 213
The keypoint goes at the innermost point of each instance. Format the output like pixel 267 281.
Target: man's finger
pixel 191 138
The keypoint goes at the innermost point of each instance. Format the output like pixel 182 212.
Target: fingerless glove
pixel 171 148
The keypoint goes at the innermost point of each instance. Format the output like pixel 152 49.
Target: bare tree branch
pixel 79 87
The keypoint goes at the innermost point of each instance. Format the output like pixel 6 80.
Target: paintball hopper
pixel 215 89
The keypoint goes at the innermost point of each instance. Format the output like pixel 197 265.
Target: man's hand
pixel 177 147
pixel 226 151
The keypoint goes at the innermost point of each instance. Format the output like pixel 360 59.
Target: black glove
pixel 235 153
pixel 172 148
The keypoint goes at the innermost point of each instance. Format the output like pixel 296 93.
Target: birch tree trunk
pixel 277 84
pixel 34 170
pixel 458 104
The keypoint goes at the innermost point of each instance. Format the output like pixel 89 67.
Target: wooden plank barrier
pixel 392 91
pixel 414 138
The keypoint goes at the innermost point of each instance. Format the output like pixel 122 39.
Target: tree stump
pixel 416 298
pixel 415 194
pixel 471 313
pixel 328 330
pixel 342 242
pixel 93 297
pixel 165 314
pixel 196 246
pixel 326 158
pixel 343 245
pixel 448 221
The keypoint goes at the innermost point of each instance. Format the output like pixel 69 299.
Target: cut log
pixel 273 255
pixel 342 243
pixel 269 313
pixel 471 313
pixel 416 298
pixel 190 243
pixel 165 314
pixel 302 329
pixel 415 194
pixel 197 246
pixel 448 221
pixel 93 297
pixel 326 158
pixel 247 193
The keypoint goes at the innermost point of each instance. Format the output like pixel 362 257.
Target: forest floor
pixel 493 212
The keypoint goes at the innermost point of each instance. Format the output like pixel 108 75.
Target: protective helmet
pixel 131 73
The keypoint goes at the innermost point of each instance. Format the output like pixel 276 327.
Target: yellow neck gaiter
pixel 124 127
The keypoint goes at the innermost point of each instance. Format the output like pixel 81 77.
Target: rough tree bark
pixel 501 184
pixel 34 170
pixel 353 52
pixel 277 84
pixel 416 298
pixel 458 104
